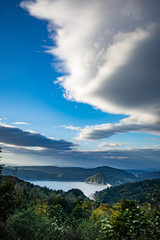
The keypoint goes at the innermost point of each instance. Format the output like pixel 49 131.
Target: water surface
pixel 87 188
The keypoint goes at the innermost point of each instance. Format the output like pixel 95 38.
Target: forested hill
pixel 139 191
pixel 97 178
pixel 31 212
pixel 112 176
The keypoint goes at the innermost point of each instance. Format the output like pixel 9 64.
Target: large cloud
pixel 17 137
pixel 97 132
pixel 110 53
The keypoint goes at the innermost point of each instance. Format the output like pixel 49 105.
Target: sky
pixel 80 83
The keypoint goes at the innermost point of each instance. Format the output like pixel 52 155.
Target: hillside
pixel 97 178
pixel 139 191
pixel 112 176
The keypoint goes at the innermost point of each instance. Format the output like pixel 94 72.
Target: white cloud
pixel 117 157
pixel 110 145
pixel 22 147
pixel 110 54
pixel 97 132
pixel 20 123
pixel 157 146
pixel 154 139
pixel 71 127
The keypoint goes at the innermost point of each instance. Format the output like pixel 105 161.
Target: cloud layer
pixel 29 148
pixel 126 159
pixel 110 54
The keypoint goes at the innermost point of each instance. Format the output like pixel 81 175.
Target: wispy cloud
pixel 22 147
pixel 154 139
pixel 110 145
pixel 20 123
pixel 157 146
pixel 117 157
pixel 71 127
pixel 109 53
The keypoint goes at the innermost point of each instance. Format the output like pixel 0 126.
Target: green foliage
pixel 88 230
pixel 26 225
pixel 79 213
pixel 10 198
pixel 78 194
pixel 30 212
pixel 131 223
pixel 101 212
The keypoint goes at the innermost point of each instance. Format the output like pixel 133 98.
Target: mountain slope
pixel 140 191
pixel 97 178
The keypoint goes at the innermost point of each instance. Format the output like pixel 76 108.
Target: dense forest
pixel 31 212
pixel 142 192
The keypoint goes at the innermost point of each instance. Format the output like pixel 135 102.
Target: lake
pixel 87 188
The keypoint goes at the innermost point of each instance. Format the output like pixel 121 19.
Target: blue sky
pixel 106 96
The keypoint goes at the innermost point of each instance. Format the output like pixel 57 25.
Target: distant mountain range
pixel 99 175
pixel 145 174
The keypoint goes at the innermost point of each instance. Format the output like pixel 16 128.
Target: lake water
pixel 87 188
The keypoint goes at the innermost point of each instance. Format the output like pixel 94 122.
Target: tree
pixel 1 165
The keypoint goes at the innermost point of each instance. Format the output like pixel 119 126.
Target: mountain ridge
pixel 111 175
